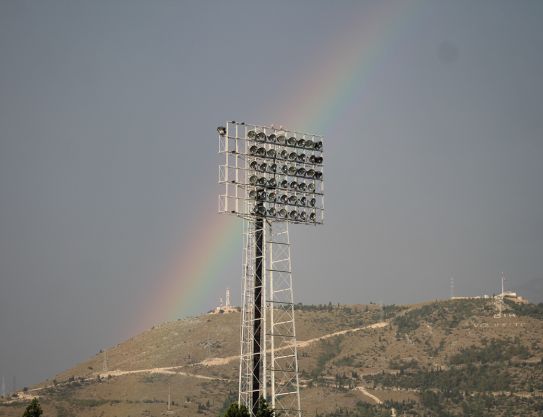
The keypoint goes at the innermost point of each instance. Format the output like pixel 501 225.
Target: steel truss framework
pixel 271 177
pixel 269 358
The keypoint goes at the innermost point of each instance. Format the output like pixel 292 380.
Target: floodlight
pixel 252 165
pixel 271 177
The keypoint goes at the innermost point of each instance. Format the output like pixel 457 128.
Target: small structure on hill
pixel 224 305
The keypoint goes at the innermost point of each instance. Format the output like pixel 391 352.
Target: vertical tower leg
pixel 257 307
pixel 269 357
pixel 252 384
pixel 282 348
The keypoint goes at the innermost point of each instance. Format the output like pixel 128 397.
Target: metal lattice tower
pixel 269 354
pixel 271 177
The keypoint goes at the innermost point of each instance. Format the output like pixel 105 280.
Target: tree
pixel 236 410
pixel 263 409
pixel 34 409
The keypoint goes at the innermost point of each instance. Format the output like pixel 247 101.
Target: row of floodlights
pixel 273 197
pixel 295 215
pixel 286 170
pixel 282 140
pixel 284 154
pixel 272 183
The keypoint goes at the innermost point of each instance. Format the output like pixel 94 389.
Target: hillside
pixel 443 358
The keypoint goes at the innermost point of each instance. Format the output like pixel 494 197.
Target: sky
pixel 432 114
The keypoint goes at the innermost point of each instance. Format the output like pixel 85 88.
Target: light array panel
pixel 272 173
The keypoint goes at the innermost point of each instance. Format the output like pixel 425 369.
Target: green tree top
pixel 34 409
pixel 236 410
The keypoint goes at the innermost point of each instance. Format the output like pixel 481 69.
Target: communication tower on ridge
pixel 271 177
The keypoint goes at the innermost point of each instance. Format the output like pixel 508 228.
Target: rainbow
pixel 316 106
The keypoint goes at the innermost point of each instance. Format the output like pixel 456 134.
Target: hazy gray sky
pixel 108 155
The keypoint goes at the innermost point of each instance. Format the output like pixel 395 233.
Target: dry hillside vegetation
pixel 446 358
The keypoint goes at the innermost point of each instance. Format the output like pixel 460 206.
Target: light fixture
pixel 271 176
pixel 270 166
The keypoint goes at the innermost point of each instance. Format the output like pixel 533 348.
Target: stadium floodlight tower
pixel 271 177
